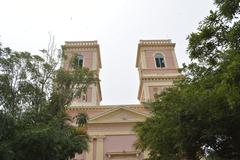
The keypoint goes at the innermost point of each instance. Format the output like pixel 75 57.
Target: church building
pixel 110 127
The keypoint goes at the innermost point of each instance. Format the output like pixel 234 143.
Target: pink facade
pixel 166 53
pixel 94 142
pixel 156 72
pixel 87 59
pixel 116 138
pixel 113 144
pixel 90 58
pixel 85 97
pixel 153 90
pixel 119 143
pixel 89 94
pixel 111 127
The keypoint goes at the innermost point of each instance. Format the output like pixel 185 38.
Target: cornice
pixel 115 122
pixel 157 79
pixel 103 107
pixel 76 48
pixel 163 78
pixel 81 43
pixel 114 109
pixel 85 108
pixel 112 154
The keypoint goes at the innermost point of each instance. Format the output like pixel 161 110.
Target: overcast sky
pixel 118 25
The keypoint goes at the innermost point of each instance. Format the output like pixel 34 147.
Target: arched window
pixel 80 60
pixel 159 60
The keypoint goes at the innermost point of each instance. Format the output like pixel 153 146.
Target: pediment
pixel 119 115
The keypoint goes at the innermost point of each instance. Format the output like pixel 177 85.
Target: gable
pixel 119 115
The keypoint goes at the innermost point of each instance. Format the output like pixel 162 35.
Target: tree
pixel 199 117
pixel 81 119
pixel 33 97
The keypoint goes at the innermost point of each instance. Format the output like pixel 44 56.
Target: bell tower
pixel 157 66
pixel 88 56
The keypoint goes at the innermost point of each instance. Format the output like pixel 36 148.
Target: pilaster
pixel 89 154
pixel 100 140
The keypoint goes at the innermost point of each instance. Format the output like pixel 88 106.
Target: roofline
pixel 115 109
pixel 103 106
pixel 114 122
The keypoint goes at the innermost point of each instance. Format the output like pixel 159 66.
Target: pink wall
pixel 111 143
pixel 110 127
pixel 153 90
pixel 168 57
pixel 87 61
pixel 94 141
pixel 119 143
pixel 84 98
pixel 91 113
pixel 89 94
pixel 156 90
pixel 160 71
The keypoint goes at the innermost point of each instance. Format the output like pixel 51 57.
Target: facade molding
pixel 110 133
pixel 116 109
pixel 104 107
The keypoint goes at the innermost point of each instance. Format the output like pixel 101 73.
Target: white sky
pixel 118 25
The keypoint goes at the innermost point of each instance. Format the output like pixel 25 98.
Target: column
pixel 89 154
pixel 100 140
pixel 143 59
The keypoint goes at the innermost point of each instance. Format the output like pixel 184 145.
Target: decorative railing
pixel 81 43
pixel 155 42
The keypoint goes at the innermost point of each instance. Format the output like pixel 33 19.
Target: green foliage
pixel 33 99
pixel 81 119
pixel 200 116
